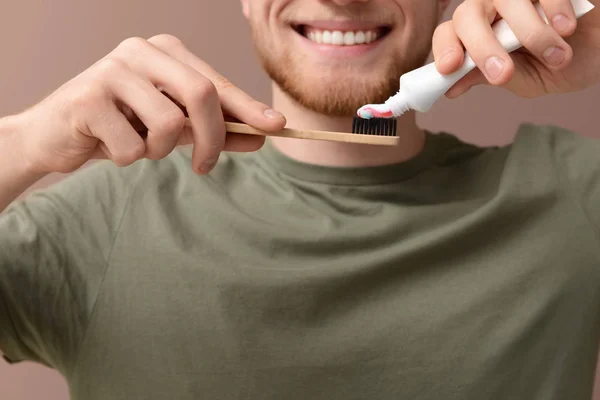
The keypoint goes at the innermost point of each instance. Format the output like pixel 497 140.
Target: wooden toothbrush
pixel 374 131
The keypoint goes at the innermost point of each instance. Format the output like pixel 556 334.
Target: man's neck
pixel 411 143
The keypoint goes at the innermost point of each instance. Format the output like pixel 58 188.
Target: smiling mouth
pixel 336 37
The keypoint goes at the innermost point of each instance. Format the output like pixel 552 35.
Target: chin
pixel 333 85
pixel 342 98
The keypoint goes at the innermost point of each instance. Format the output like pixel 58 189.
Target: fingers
pixel 448 51
pixel 472 23
pixel 163 119
pixel 471 27
pixel 167 84
pixel 561 16
pixel 234 101
pixel 534 34
pixel 191 89
pixel 119 141
pixel 233 141
pixel 202 92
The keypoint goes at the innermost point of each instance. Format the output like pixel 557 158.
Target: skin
pixel 117 109
pixel 527 72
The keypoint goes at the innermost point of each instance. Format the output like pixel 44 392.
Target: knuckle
pixel 444 27
pixel 110 65
pixel 171 122
pixel 533 37
pixel 223 83
pixel 469 9
pixel 497 3
pixel 132 44
pixel 129 156
pixel 203 91
pixel 166 40
pixel 460 11
pixel 88 96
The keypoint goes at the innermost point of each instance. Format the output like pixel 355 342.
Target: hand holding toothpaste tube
pixel 557 57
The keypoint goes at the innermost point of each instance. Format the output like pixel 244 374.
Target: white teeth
pixel 339 38
pixel 359 37
pixel 349 38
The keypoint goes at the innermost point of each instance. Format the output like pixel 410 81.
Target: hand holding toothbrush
pixel 557 57
pixel 141 100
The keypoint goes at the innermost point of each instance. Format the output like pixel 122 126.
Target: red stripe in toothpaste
pixel 378 114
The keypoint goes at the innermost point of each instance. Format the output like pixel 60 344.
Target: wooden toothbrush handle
pixel 236 127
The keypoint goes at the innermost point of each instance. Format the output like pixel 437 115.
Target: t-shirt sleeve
pixel 578 157
pixel 54 248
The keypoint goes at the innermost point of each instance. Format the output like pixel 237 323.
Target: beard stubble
pixel 335 90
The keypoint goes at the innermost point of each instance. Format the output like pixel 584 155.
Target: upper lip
pixel 341 25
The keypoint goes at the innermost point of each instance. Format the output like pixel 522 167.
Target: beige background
pixel 45 43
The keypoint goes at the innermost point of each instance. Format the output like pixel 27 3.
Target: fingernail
pixel 209 164
pixel 561 23
pixel 494 67
pixel 554 55
pixel 272 114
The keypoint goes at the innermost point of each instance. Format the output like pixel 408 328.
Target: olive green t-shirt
pixel 464 273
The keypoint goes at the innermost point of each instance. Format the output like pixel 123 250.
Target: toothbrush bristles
pixel 375 126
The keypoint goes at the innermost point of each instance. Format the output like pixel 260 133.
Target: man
pixel 307 270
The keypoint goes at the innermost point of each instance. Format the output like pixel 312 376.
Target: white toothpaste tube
pixel 422 87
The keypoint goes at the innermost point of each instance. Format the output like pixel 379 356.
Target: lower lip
pixel 339 51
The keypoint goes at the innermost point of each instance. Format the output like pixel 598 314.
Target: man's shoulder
pixel 168 180
pixel 553 144
pixel 106 176
pixel 546 158
pixel 529 140
pixel 538 156
pixel 102 185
